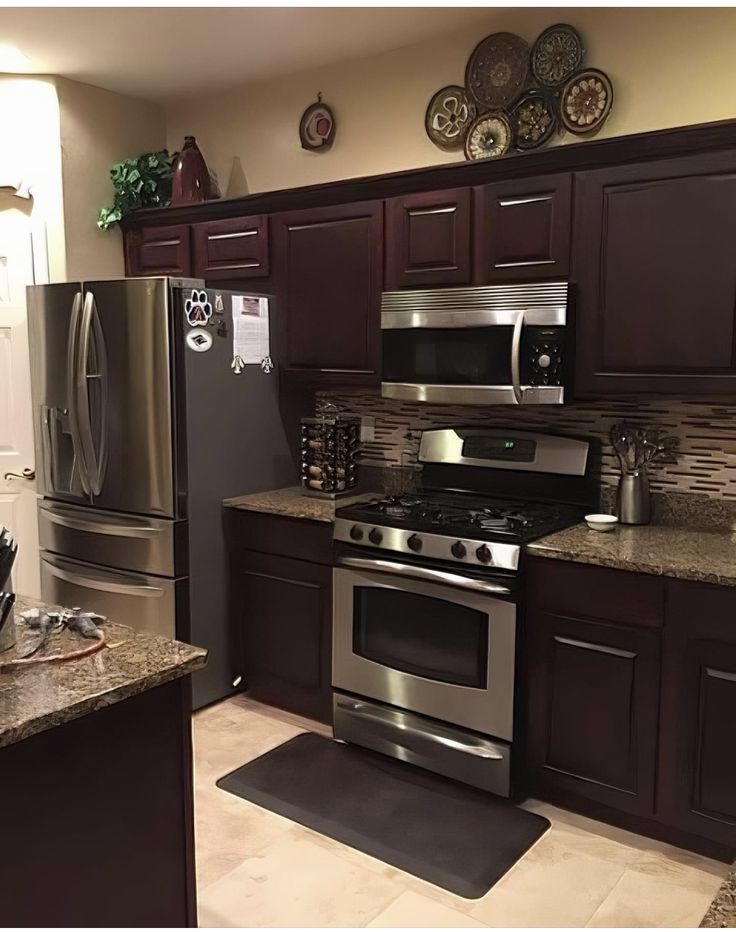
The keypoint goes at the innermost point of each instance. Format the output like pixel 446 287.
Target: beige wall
pixel 98 128
pixel 670 67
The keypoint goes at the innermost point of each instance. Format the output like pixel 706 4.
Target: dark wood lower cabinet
pixel 697 774
pixel 282 611
pixel 593 698
pixel 630 718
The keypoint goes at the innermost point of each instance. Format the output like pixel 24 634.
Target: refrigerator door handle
pixel 72 367
pixel 91 340
pixel 94 579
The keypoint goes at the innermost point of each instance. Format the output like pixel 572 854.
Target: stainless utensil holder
pixel 634 500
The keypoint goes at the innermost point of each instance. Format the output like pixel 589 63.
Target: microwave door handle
pixel 71 389
pixel 516 358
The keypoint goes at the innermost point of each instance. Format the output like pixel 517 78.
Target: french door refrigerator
pixel 142 427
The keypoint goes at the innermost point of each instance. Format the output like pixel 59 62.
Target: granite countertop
pixel 42 696
pixel 293 503
pixel 662 550
pixel 722 911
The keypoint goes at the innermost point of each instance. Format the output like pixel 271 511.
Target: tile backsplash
pixel 706 461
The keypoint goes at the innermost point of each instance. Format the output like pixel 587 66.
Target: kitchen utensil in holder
pixel 330 444
pixel 634 500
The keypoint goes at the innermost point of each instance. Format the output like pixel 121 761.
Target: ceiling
pixel 164 53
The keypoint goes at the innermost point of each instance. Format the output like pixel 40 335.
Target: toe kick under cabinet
pixel 629 695
pixel 281 609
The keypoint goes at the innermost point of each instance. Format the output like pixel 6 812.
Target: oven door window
pixel 466 356
pixel 431 638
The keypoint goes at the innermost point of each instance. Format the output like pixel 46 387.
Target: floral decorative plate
pixel 534 119
pixel 489 137
pixel 449 114
pixel 497 70
pixel 586 102
pixel 557 55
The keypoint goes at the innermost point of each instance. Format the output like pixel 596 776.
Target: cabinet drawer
pixel 281 536
pixel 158 251
pixel 231 249
pixel 579 589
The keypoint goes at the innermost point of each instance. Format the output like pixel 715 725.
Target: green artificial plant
pixel 141 182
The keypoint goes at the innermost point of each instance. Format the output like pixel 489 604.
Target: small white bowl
pixel 601 522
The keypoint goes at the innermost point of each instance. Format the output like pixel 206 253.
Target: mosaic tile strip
pixel 706 462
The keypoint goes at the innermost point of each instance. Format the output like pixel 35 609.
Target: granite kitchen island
pixel 96 786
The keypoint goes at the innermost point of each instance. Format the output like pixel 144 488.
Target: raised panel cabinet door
pixel 428 239
pixel 284 609
pixel 329 275
pixel 522 229
pixel 656 277
pixel 697 767
pixel 593 692
pixel 231 249
pixel 159 251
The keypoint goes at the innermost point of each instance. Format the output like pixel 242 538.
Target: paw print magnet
pixel 197 309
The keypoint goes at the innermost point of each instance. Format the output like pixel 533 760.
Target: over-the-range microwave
pixel 499 344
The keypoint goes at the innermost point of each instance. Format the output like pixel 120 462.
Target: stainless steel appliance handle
pixel 91 333
pixel 102 375
pixel 424 573
pixel 516 357
pixel 71 390
pixel 387 718
pixel 110 526
pixel 103 582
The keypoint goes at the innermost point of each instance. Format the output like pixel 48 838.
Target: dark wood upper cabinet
pixel 593 690
pixel 697 768
pixel 231 249
pixel 522 229
pixel 655 268
pixel 428 239
pixel 158 251
pixel 328 269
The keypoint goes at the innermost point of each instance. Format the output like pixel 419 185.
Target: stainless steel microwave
pixel 500 344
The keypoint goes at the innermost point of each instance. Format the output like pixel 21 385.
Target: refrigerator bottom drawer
pixel 146 603
pixel 446 749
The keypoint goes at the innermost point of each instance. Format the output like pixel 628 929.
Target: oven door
pixel 435 648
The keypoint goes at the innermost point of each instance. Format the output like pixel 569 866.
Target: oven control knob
pixel 544 361
pixel 415 543
pixel 356 532
pixel 483 554
pixel 375 536
pixel 458 549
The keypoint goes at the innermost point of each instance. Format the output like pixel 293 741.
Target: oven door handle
pixel 371 713
pixel 424 573
pixel 516 358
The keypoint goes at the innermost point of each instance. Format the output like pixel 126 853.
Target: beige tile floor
pixel 257 869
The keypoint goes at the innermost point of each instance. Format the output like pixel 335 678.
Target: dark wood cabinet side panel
pixel 428 239
pixel 522 229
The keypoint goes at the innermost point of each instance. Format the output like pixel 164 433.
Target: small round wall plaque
pixel 497 70
pixel 449 114
pixel 489 137
pixel 317 127
pixel 557 55
pixel 586 102
pixel 534 119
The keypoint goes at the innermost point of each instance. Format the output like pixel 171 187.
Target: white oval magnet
pixel 199 340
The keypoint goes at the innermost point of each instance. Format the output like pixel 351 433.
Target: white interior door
pixel 17 494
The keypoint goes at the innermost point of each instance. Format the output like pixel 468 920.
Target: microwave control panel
pixel 543 356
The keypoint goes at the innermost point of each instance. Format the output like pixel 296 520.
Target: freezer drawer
pixel 127 542
pixel 146 603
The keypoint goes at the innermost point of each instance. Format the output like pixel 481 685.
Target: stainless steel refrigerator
pixel 142 428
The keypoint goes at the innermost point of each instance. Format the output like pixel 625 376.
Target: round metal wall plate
pixel 557 55
pixel 489 137
pixel 449 114
pixel 497 71
pixel 586 102
pixel 534 119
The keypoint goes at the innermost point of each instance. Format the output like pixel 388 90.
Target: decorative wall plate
pixel 449 114
pixel 317 127
pixel 489 137
pixel 497 70
pixel 586 102
pixel 534 119
pixel 557 55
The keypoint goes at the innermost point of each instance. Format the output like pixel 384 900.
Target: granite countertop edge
pixel 291 502
pixel 195 660
pixel 721 913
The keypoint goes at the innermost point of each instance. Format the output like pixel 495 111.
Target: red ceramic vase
pixel 191 181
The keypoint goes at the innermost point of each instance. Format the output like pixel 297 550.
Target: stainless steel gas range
pixel 426 598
